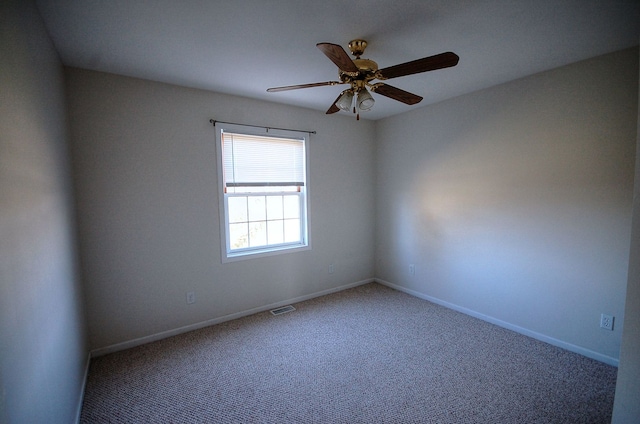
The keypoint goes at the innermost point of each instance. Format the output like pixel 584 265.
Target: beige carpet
pixel 364 355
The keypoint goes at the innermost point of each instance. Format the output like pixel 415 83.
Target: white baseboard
pixel 164 334
pixel 538 336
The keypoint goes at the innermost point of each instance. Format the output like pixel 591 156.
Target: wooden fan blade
pixel 431 63
pixel 338 56
pixel 295 87
pixel 396 94
pixel 334 108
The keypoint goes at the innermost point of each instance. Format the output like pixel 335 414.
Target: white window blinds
pixel 258 161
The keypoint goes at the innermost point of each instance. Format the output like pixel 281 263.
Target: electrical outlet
pixel 606 322
pixel 412 270
pixel 332 269
pixel 191 297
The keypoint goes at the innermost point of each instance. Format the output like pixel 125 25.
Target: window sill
pixel 254 254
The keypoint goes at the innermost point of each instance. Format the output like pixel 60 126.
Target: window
pixel 264 191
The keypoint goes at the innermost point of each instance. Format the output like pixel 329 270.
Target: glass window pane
pixel 274 207
pixel 275 232
pixel 238 236
pixel 237 209
pixel 257 233
pixel 291 230
pixel 257 208
pixel 291 206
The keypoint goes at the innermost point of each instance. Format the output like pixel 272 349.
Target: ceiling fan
pixel 359 74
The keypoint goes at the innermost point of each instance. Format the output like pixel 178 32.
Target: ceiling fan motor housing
pixel 366 65
pixel 367 71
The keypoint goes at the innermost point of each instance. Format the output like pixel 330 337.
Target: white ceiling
pixel 243 47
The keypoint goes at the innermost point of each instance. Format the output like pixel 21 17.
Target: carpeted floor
pixel 365 355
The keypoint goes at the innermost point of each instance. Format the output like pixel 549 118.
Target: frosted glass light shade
pixel 365 100
pixel 345 100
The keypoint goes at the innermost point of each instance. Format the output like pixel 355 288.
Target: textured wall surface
pixel 42 334
pixel 515 202
pixel 626 407
pixel 145 169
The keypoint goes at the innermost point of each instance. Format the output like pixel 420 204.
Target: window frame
pixel 269 250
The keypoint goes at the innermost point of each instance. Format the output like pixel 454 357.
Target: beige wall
pixel 42 335
pixel 514 203
pixel 146 181
pixel 627 407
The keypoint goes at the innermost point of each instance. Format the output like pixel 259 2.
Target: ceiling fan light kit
pixel 359 74
pixel 365 100
pixel 345 100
